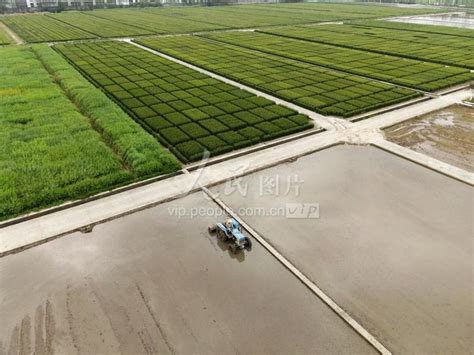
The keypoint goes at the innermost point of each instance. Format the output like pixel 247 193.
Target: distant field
pixel 188 111
pixel 399 71
pixel 242 16
pixel 323 90
pixel 98 26
pixel 52 150
pixel 404 26
pixel 156 22
pixel 40 28
pixel 432 47
pixel 134 22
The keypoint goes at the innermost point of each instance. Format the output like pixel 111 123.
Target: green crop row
pixel 399 71
pixel 188 111
pixel 40 28
pixel 431 47
pixel 49 151
pixel 323 90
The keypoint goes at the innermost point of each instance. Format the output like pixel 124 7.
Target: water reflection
pixel 447 135
pixel 462 20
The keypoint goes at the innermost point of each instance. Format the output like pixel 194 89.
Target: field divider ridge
pixel 302 277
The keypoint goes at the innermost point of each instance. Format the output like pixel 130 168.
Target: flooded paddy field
pixel 155 283
pixel 447 135
pixel 392 245
pixel 461 20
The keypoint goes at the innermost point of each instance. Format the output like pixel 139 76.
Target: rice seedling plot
pixel 98 26
pixel 134 22
pixel 49 151
pixel 243 16
pixel 323 90
pixel 444 49
pixel 404 26
pixel 39 28
pixel 188 111
pixel 154 21
pixel 364 10
pixel 228 18
pixel 400 71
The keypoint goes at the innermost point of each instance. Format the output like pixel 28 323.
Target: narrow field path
pixel 16 39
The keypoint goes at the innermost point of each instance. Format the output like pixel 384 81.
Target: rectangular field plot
pixel 40 28
pixel 188 111
pixel 155 266
pixel 157 22
pixel 319 89
pixel 230 18
pixel 432 47
pixel 402 268
pixel 99 26
pixel 399 71
pixel 49 151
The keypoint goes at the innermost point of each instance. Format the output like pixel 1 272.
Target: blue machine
pixel 231 231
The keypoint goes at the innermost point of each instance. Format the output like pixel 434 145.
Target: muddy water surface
pixel 392 246
pixel 156 283
pixel 451 20
pixel 447 135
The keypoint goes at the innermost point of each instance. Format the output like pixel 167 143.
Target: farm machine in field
pixel 231 232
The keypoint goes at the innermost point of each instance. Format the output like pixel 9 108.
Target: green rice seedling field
pixel 245 16
pixel 134 22
pixel 320 89
pixel 156 22
pixel 98 26
pixel 40 28
pixel 53 150
pixel 188 111
pixel 252 16
pixel 400 71
pixel 405 26
pixel 431 47
pixel 348 9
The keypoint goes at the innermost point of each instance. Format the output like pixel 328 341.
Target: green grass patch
pixel 66 141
